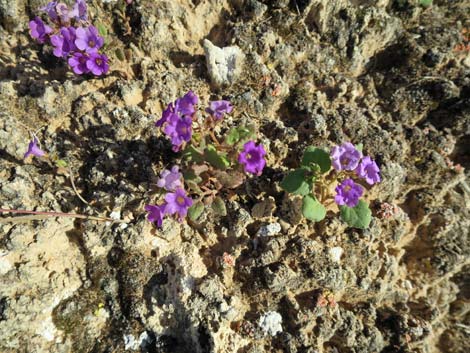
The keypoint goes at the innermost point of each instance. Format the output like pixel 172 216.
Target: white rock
pixel 144 337
pixel 270 323
pixel 115 215
pixel 48 329
pixel 5 264
pixel 224 64
pixel 335 253
pixel 269 230
pixel 130 342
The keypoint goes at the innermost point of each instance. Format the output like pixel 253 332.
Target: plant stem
pixel 54 214
pixel 214 138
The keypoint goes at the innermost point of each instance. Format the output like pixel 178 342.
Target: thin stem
pixel 211 133
pixel 56 214
pixel 75 189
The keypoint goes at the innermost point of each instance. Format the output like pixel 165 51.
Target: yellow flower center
pixel 180 200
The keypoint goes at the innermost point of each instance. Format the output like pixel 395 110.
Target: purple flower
pixel 50 9
pixel 348 193
pixel 80 10
pixel 63 12
pixel 368 170
pixel 78 63
pixel 64 42
pixel 345 157
pixel 179 130
pixel 170 179
pixel 252 158
pixel 178 202
pixel 97 64
pixel 218 108
pixel 39 30
pixel 166 115
pixel 88 39
pixel 156 213
pixel 33 149
pixel 185 105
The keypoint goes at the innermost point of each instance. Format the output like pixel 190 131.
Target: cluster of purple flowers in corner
pixel 176 201
pixel 252 158
pixel 347 157
pixel 72 37
pixel 177 118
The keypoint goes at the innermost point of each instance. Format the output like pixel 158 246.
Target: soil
pixel 390 74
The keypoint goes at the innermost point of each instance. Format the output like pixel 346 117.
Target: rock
pixel 10 14
pixel 269 230
pixel 223 64
pixel 320 12
pixel 335 253
pixel 270 323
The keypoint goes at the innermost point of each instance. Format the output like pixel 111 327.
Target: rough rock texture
pixel 384 73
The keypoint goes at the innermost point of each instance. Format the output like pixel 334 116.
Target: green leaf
pixel 193 185
pixel 232 136
pixel 189 175
pixel 218 205
pixel 195 211
pixel 312 209
pixel 216 159
pixel 60 163
pixel 246 132
pixel 120 54
pixel 295 182
pixel 425 3
pixel 358 216
pixel 193 154
pixel 317 156
pixel 102 30
pixel 359 147
pixel 239 134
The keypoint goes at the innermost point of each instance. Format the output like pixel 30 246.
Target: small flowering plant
pixel 336 177
pixel 209 163
pixel 72 37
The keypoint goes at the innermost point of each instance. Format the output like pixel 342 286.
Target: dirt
pixel 386 73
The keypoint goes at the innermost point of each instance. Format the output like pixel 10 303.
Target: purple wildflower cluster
pixel 176 201
pixel 211 160
pixel 348 158
pixel 72 37
pixel 176 121
pixel 177 124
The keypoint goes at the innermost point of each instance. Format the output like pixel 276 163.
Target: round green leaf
pixel 120 54
pixel 317 156
pixel 312 209
pixel 425 3
pixel 295 182
pixel 358 216
pixel 216 159
pixel 102 30
pixel 232 137
pixel 193 154
pixel 218 205
pixel 195 211
pixel 60 163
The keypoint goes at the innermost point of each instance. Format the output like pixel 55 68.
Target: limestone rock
pixel 223 64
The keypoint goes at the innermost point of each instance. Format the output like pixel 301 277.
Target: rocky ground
pixel 387 73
